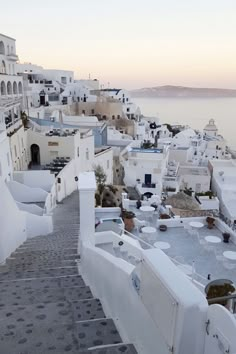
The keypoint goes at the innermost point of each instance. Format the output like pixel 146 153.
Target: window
pixel 77 151
pixel 108 164
pixel 92 111
pixel 83 111
pixel 128 109
pixel 15 150
pixel 22 143
pixel 87 154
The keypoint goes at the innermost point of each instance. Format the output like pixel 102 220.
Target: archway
pixel 20 87
pixel 15 88
pixel 9 88
pixel 2 48
pixel 35 154
pixel 3 88
pixel 147 195
pixel 3 67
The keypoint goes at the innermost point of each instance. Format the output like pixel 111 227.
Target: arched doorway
pixel 2 48
pixel 35 154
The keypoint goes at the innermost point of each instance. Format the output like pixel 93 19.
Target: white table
pixel 196 224
pixel 213 239
pixel 162 245
pixel 147 208
pixel 230 255
pixel 186 268
pixel 148 229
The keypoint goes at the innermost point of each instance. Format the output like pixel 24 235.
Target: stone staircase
pixel 45 306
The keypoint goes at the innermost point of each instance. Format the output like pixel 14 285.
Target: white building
pixel 224 186
pixel 195 148
pixel 11 103
pixel 196 178
pixel 130 109
pixel 144 168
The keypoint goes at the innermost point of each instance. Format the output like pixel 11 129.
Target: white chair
pixel 139 223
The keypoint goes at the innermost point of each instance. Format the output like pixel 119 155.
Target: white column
pixel 87 188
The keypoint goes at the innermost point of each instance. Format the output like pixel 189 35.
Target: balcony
pixel 12 57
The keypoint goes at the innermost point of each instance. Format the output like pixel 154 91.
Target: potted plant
pixel 128 217
pixel 210 222
pixel 219 288
pixel 226 237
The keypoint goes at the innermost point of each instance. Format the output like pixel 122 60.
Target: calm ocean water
pixel 195 112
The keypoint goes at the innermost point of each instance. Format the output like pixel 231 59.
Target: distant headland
pixel 182 91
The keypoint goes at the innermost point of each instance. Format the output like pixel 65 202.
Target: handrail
pixel 195 274
pixel 138 238
pixel 221 298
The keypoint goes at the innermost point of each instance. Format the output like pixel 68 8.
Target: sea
pixel 195 112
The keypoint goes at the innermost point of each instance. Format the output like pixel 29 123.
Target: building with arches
pixel 11 103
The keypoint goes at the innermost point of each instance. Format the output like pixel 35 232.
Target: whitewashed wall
pixel 67 183
pixel 13 224
pixel 35 179
pixel 105 160
pixel 221 331
pixel 19 150
pixel 38 225
pixel 24 194
pixel 5 157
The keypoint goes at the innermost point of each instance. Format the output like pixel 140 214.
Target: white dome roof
pixel 211 126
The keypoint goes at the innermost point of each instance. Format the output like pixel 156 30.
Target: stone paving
pixel 45 306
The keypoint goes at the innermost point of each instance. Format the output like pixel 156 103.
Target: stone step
pixel 33 337
pixel 22 267
pixel 48 253
pixel 63 312
pixel 11 296
pixel 43 283
pixel 112 349
pixel 47 273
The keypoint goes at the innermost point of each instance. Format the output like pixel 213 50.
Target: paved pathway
pixel 45 306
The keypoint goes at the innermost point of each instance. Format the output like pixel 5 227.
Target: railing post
pixel 87 188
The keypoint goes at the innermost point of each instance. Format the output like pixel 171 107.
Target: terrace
pixel 201 260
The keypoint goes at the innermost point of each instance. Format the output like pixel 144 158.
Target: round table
pixel 162 245
pixel 147 208
pixel 230 255
pixel 148 229
pixel 185 268
pixel 213 239
pixel 196 224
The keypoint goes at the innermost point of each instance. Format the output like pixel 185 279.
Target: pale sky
pixel 129 43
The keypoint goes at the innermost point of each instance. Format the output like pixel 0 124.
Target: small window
pixel 15 150
pixel 78 151
pixel 22 143
pixel 92 111
pixel 83 111
pixel 128 109
pixel 108 164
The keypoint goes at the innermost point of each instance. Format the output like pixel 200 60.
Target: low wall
pixel 220 337
pixel 35 179
pixel 12 223
pixel 67 183
pixel 24 194
pixel 51 201
pixel 38 225
pixel 139 316
pixel 30 208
